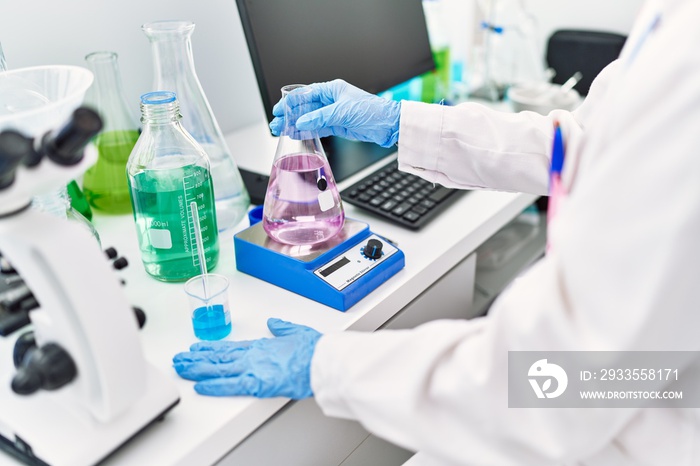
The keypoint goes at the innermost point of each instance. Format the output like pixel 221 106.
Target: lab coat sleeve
pixel 621 275
pixel 472 146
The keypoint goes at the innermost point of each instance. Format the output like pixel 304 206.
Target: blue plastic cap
pixel 158 97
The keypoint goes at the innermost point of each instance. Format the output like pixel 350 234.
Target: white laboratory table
pixel 202 430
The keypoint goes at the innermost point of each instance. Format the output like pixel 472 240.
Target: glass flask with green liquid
pixel 104 184
pixel 167 171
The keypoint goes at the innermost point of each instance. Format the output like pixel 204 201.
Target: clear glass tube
pixel 174 71
pixel 167 171
pixel 302 203
pixel 57 203
pixel 104 184
pixel 3 63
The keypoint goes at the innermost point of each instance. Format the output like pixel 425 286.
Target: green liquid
pixel 436 83
pixel 78 201
pixel 161 203
pixel 105 183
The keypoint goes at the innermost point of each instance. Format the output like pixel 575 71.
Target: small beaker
pixel 302 202
pixel 208 296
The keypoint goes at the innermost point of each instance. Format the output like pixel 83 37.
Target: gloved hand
pixel 263 368
pixel 337 108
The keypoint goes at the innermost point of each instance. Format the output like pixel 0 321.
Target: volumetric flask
pixel 167 171
pixel 302 203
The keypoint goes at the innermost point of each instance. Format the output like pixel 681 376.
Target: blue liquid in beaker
pixel 211 322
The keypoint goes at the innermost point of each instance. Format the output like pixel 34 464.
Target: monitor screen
pixel 372 44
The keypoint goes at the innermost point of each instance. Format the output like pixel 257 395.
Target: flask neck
pixel 160 114
pixel 291 140
pixel 291 114
pixel 107 93
pixel 172 50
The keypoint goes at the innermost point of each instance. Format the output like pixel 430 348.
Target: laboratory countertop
pixel 201 430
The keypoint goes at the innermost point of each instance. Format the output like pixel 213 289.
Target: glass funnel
pixel 174 71
pixel 302 203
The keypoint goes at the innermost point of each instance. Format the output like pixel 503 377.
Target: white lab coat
pixel 623 271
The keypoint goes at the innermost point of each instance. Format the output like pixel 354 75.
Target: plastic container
pixel 302 203
pixel 542 98
pixel 37 99
pixel 167 170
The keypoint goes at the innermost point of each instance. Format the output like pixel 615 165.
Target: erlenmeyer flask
pixel 105 184
pixel 302 203
pixel 174 71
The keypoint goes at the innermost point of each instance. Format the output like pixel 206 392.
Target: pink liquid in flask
pixel 302 203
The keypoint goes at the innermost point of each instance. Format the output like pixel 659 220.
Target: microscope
pixel 77 387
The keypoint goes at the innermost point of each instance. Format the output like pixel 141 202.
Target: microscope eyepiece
pixel 14 147
pixel 66 147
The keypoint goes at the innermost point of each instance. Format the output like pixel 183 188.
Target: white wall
pixel 602 15
pixel 38 32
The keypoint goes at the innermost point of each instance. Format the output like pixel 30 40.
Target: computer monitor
pixel 372 44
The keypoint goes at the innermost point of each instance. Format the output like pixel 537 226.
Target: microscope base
pixel 43 429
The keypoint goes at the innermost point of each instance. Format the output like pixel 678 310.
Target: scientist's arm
pixel 473 146
pixel 467 146
pixel 622 275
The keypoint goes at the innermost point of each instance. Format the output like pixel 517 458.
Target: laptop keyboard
pixel 401 198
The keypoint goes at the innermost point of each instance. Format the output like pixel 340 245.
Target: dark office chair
pixel 569 51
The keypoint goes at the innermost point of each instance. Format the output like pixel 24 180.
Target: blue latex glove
pixel 337 108
pixel 263 368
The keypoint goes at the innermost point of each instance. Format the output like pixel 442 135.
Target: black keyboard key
pixel 401 198
pixel 388 205
pixel 440 194
pixel 401 209
pixel 411 216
